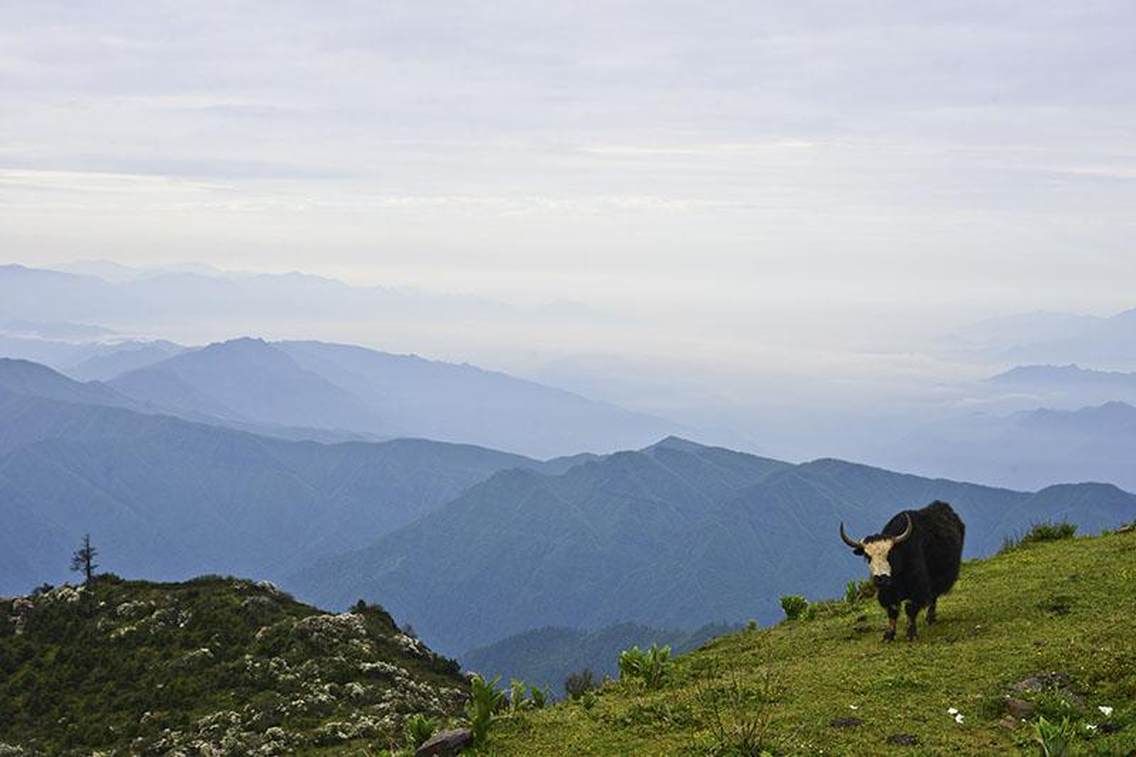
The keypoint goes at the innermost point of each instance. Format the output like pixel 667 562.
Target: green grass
pixel 1065 606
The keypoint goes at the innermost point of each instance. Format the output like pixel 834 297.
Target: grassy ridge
pixel 829 685
pixel 216 663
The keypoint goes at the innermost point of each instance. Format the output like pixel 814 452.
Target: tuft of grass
pixel 991 637
pixel 856 591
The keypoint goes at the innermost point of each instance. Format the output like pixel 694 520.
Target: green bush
pixel 648 665
pixel 418 729
pixel 794 605
pixel 484 701
pixel 579 682
pixel 1039 532
pixel 1051 531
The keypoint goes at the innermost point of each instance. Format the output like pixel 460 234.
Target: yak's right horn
pixel 850 541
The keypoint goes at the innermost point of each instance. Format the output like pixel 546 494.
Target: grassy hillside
pixel 544 657
pixel 211 666
pixel 1060 613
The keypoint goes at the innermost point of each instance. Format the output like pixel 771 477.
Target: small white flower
pixel 958 718
pixel 853 706
pixel 1105 710
pixel 953 711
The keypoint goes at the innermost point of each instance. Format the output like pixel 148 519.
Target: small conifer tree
pixel 84 560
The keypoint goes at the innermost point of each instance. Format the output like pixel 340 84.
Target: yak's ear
pixel 858 551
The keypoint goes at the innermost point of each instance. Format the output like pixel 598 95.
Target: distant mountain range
pixel 676 535
pixel 166 498
pixel 266 387
pixel 1068 385
pixel 467 543
pixel 1024 449
pixel 1108 342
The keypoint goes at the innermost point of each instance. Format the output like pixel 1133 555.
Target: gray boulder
pixel 446 743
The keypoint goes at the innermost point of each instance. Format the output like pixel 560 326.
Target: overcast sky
pixel 769 171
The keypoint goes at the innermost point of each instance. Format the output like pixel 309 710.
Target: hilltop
pixel 213 665
pixel 1049 623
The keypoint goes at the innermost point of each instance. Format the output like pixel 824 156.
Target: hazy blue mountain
pixel 544 657
pixel 26 377
pixel 315 385
pixel 673 536
pixel 198 300
pixel 54 330
pixel 116 359
pixel 1050 338
pixel 166 498
pixel 1067 386
pixel 247 380
pixel 1030 449
pixel 452 402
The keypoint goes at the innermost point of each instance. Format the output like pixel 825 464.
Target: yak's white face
pixel 877 553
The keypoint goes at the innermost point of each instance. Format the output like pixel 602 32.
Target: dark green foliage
pixel 418 729
pixel 1053 738
pixel 856 591
pixel 576 684
pixel 485 700
pixel 794 606
pixel 97 667
pixel 1050 531
pixel 1039 532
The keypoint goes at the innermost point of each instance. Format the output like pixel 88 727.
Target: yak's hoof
pixel 911 635
pixel 889 636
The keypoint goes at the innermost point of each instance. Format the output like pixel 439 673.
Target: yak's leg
pixel 893 614
pixel 913 609
pixel 932 611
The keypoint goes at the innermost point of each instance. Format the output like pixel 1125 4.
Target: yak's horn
pixel 907 532
pixel 848 540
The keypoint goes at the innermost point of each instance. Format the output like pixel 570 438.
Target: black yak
pixel 916 558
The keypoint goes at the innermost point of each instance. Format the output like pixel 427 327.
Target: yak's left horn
pixel 848 540
pixel 907 532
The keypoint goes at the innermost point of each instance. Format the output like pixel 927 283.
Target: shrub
pixel 794 605
pixel 1053 738
pixel 649 665
pixel 1050 531
pixel 484 701
pixel 1039 532
pixel 418 729
pixel 579 682
pixel 751 625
